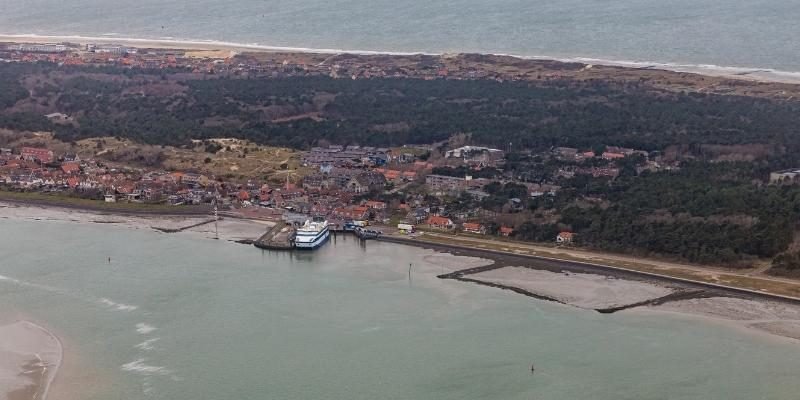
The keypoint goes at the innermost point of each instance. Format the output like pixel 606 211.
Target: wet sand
pixel 233 229
pixel 587 288
pixel 774 318
pixel 590 291
pixel 30 357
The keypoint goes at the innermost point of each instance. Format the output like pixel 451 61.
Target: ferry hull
pixel 313 244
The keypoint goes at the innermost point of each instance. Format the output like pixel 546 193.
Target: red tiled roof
pixel 471 226
pixel 71 167
pixel 437 220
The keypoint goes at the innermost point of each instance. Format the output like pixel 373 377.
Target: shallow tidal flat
pixel 182 316
pixel 29 359
pixel 589 291
pixel 604 293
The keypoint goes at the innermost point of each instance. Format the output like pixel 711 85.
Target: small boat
pixel 365 234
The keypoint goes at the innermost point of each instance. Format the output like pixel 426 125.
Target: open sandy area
pixel 29 360
pixel 234 229
pixel 589 291
pixel 779 319
pixel 594 291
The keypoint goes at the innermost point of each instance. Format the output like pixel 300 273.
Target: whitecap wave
pixel 140 367
pixel 144 329
pixel 117 306
pixel 147 344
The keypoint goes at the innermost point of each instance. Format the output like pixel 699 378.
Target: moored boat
pixel 312 234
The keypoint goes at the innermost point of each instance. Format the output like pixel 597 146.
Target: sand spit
pixel 451 263
pixel 588 291
pixel 29 360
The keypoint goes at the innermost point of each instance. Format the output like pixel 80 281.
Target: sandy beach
pixel 596 292
pixel 233 229
pixel 30 357
pixel 224 49
pixel 588 291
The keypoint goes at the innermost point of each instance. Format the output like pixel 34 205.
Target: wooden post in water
pixel 216 218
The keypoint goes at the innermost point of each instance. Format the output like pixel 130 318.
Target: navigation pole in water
pixel 216 219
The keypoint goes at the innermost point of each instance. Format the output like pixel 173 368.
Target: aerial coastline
pixel 363 200
pixel 752 74
pixel 571 284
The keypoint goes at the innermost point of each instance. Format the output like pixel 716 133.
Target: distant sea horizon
pixel 722 37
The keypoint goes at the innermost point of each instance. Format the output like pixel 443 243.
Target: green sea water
pixel 182 317
pixel 705 33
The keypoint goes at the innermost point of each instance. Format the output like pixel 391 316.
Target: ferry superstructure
pixel 312 234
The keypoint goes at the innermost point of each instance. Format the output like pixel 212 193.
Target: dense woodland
pixel 301 111
pixel 705 212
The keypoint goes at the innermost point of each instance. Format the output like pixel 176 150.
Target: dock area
pixel 279 237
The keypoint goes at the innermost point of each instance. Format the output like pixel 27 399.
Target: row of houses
pixel 346 156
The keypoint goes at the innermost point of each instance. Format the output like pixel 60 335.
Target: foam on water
pixel 140 367
pixel 118 306
pixel 144 329
pixel 147 344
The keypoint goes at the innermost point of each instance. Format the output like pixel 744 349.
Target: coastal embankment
pixel 30 357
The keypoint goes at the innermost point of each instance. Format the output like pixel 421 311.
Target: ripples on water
pixel 730 33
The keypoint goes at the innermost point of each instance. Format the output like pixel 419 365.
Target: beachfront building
pixel 38 47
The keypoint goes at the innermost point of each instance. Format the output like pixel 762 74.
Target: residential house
pixel 375 205
pixel 438 222
pixel 416 216
pixel 565 152
pixel 315 182
pixel 786 176
pixel 71 157
pixel 473 227
pixel 366 182
pixel 506 231
pixel 612 156
pixel 565 237
pixel 194 180
pixel 355 213
pixel 71 168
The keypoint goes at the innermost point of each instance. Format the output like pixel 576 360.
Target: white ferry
pixel 312 234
